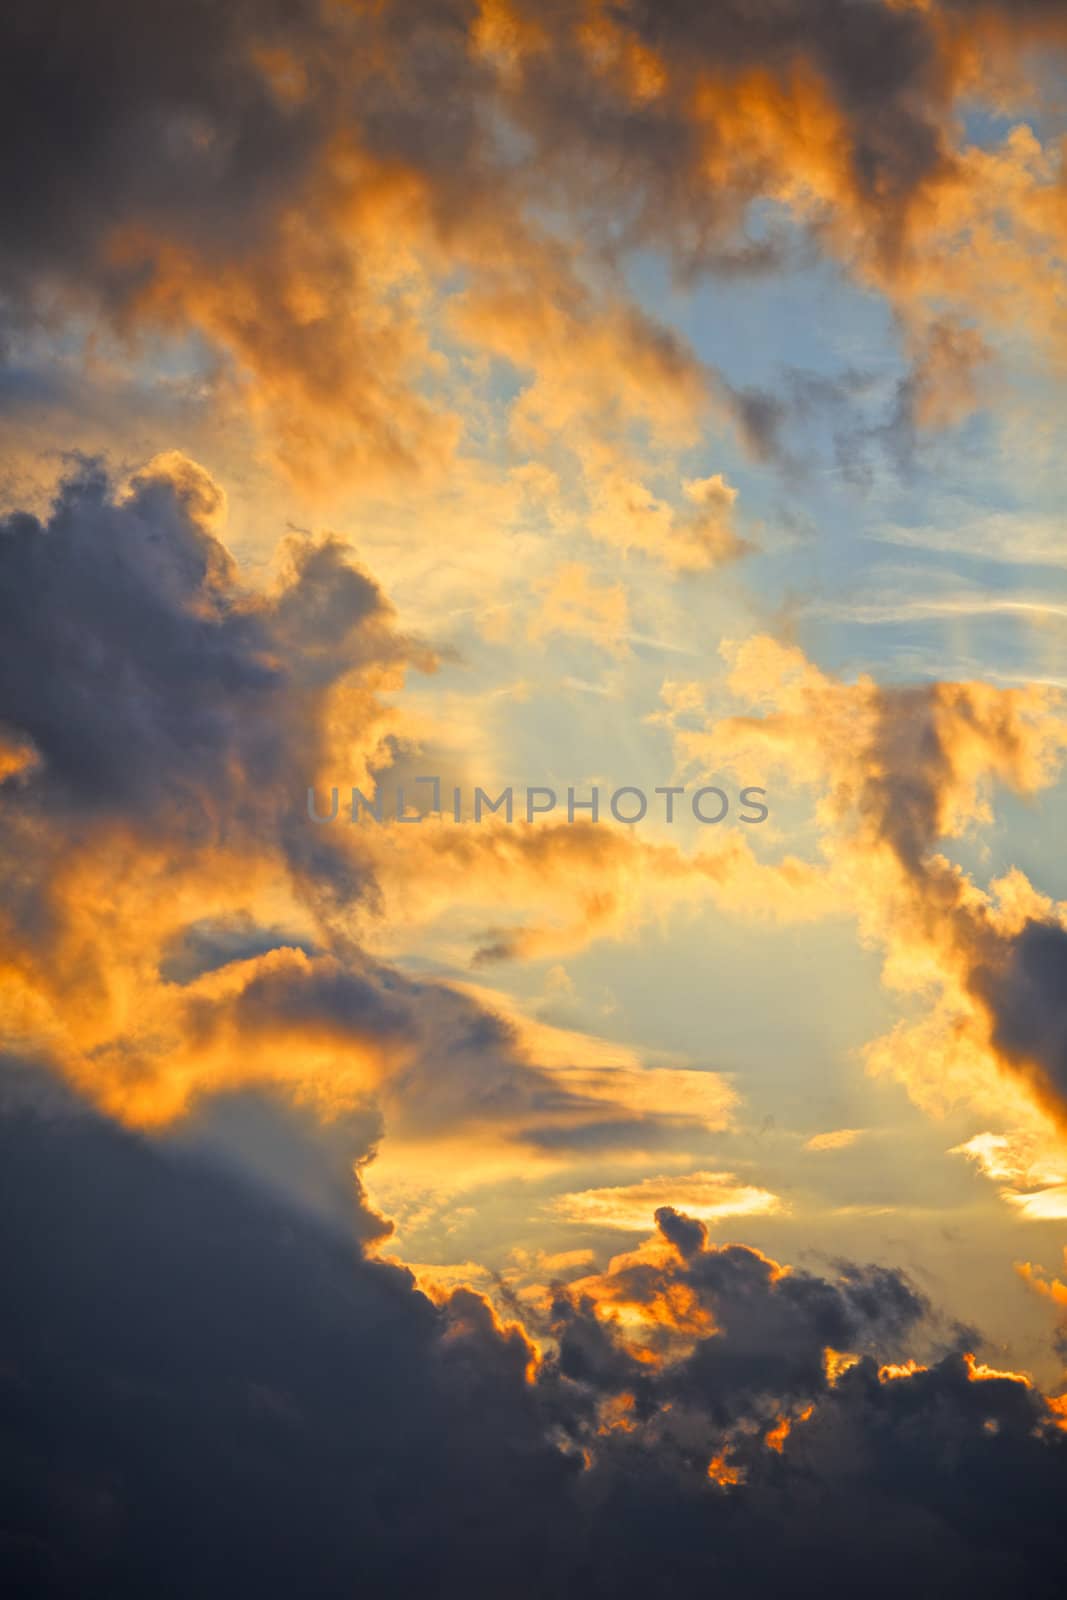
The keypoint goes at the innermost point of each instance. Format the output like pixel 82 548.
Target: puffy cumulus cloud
pixel 615 394
pixel 206 124
pixel 674 85
pixel 841 120
pixel 896 772
pixel 596 363
pixel 190 171
pixel 152 686
pixel 992 250
pixel 751 1317
pixel 164 713
pixel 625 513
pixel 207 1389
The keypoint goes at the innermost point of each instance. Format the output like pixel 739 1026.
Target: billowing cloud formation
pixel 898 773
pixel 427 242
pixel 152 687
pixel 1023 985
pixel 163 714
pixel 294 183
pixel 204 122
pixel 205 1390
pixel 174 926
pixel 214 1362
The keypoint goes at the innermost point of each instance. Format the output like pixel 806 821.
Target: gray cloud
pixel 150 683
pixel 204 1389
pixel 1022 981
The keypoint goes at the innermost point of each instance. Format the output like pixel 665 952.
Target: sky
pixel 533 712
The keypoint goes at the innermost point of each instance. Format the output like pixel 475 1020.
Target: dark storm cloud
pixel 153 688
pixel 772 1328
pixel 687 1236
pixel 205 1390
pixel 936 1485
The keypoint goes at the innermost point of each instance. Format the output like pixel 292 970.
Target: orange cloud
pixel 573 604
pixel 838 1139
pixel 893 772
pixel 707 1196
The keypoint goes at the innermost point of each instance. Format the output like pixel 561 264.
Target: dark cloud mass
pixel 116 112
pixel 206 1391
pixel 156 700
pixel 213 1380
pixel 1022 981
pixel 150 684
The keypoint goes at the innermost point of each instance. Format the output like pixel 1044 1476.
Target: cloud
pixel 170 718
pixel 206 1388
pixel 1011 537
pixel 627 515
pixel 573 605
pixel 175 928
pixel 837 1139
pixel 895 771
pixel 151 685
pixel 349 221
pixel 907 608
pixel 1030 1167
pixel 1021 985
pixel 329 196
pixel 571 883
pixel 943 386
pixel 705 1196
pixel 1048 1205
pixel 183 1309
